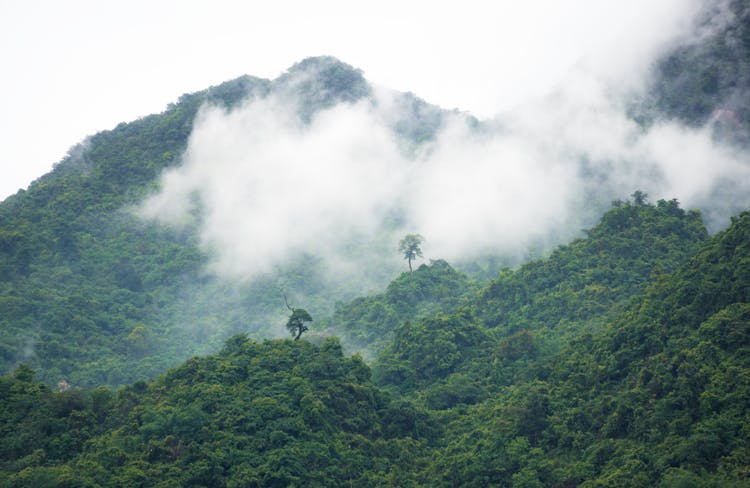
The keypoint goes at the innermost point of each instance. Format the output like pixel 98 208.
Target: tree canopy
pixel 628 369
pixel 296 322
pixel 411 247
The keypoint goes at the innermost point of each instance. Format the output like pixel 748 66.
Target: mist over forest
pixel 322 154
pixel 317 280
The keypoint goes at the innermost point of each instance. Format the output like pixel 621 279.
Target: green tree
pixel 296 323
pixel 409 246
pixel 639 197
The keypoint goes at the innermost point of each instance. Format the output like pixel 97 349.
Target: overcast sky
pixel 73 68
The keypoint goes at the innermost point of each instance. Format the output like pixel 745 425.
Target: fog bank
pixel 266 185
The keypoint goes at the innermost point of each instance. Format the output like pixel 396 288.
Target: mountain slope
pixel 277 413
pixel 92 294
pixel 708 79
pixel 367 323
pixel 656 397
pixel 586 280
pixel 621 359
pixel 534 311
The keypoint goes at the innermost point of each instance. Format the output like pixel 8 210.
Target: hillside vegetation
pixel 657 393
pixel 621 358
pixel 92 294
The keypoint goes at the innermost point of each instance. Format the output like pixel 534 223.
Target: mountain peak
pixel 322 81
pixel 321 63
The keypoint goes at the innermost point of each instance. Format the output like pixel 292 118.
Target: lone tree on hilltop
pixel 639 197
pixel 296 323
pixel 409 246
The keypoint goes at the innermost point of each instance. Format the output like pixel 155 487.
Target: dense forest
pixel 93 294
pixel 617 358
pixel 637 386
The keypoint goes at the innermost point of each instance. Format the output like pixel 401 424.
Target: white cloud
pixel 272 188
pixel 59 86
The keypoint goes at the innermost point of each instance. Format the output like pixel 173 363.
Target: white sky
pixel 72 68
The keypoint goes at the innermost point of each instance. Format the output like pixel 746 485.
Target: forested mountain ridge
pixel 366 323
pixel 657 396
pixel 589 277
pixel 93 294
pixel 577 288
pixel 708 80
pixel 70 256
pixel 621 358
pixel 279 413
pixel 527 314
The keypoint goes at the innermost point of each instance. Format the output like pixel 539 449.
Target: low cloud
pixel 271 187
pixel 266 186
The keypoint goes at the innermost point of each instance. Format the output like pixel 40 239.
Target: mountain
pixel 78 274
pixel 93 294
pixel 708 79
pixel 656 396
pixel 530 313
pixel 577 288
pixel 279 413
pixel 366 323
pixel 618 358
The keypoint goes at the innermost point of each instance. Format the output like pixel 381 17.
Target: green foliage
pixel 710 79
pixel 367 323
pixel 296 322
pixel 85 289
pixel 655 395
pixel 410 247
pixel 321 82
pixel 258 414
pixel 91 294
pixel 431 349
pixel 621 359
pixel 589 280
